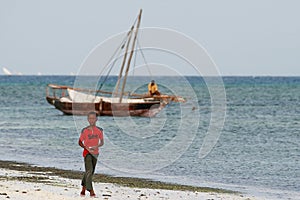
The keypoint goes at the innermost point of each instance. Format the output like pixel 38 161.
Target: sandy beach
pixel 36 185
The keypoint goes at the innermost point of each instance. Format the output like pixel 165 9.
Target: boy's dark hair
pixel 92 113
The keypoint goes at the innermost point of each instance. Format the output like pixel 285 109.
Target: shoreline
pixel 101 178
pixel 36 179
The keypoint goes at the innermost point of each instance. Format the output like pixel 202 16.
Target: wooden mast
pixel 131 54
pixel 129 34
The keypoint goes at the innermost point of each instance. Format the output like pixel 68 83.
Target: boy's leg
pixel 94 162
pixel 89 171
pixel 83 182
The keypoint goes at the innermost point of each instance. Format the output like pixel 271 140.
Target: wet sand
pixel 23 181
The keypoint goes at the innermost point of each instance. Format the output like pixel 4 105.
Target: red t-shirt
pixel 91 138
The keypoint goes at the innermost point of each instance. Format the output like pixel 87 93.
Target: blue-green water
pixel 258 150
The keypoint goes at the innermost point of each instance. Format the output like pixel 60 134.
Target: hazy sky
pixel 257 37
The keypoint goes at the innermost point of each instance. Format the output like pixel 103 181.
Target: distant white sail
pixel 6 71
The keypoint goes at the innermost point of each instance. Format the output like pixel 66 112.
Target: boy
pixel 91 138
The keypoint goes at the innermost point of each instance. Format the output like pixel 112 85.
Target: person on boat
pixel 153 89
pixel 91 138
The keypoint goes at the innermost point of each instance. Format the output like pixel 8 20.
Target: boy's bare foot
pixel 92 193
pixel 82 193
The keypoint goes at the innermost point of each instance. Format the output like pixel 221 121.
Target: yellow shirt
pixel 152 88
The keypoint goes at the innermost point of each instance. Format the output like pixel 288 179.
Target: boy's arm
pixel 81 144
pixel 101 143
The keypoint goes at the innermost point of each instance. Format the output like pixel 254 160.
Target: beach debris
pixel 142 195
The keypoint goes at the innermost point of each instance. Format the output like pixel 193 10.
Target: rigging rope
pixel 146 63
pixel 118 50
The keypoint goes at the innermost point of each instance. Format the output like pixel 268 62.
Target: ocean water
pixel 257 151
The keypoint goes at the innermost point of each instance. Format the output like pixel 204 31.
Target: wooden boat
pixel 76 101
pixel 79 101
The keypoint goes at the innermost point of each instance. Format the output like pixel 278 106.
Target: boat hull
pixel 145 109
pixel 50 100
